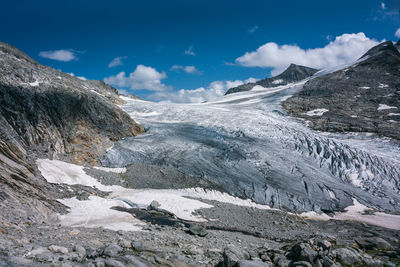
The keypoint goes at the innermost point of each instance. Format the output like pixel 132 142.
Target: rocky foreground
pixel 47 114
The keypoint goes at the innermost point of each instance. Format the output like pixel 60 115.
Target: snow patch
pixel 35 83
pixel 382 85
pixel 97 212
pixel 353 178
pixel 365 87
pixel 114 170
pixel 393 114
pixel 316 112
pixel 277 81
pixel 383 107
pixel 356 213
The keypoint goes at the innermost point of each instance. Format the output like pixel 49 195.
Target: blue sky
pixel 177 45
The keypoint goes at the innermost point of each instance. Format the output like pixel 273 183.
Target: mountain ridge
pixel 293 73
pixel 363 97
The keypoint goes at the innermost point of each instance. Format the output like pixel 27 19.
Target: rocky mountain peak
pixel 383 49
pixel 363 97
pixel 292 74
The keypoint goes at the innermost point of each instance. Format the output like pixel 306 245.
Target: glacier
pixel 247 144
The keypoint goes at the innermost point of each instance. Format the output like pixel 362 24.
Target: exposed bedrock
pixel 50 114
pixel 363 97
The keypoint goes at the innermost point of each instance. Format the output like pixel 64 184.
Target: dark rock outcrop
pixel 47 113
pixel 293 73
pixel 364 97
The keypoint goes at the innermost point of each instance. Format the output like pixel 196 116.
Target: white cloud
pixel 142 78
pixel 60 55
pixel 344 49
pixel 215 90
pixel 187 69
pixel 253 29
pixel 83 78
pixel 397 34
pixel 190 51
pixel 116 62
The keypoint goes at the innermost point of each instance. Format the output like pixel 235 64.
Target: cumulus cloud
pixel 397 34
pixel 344 49
pixel 190 51
pixel 213 91
pixel 142 78
pixel 253 29
pixel 116 62
pixel 60 55
pixel 187 69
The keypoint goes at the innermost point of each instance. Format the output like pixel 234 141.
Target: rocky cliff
pixel 293 73
pixel 363 97
pixel 50 114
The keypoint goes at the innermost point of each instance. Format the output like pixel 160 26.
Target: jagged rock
pixel 113 263
pixel 91 252
pixel 373 243
pixel 303 252
pixel 251 263
pixel 135 261
pixel 58 249
pixel 99 262
pixel 198 230
pixel 347 256
pixel 232 255
pixel 41 254
pixel 137 245
pixel 112 250
pixel 292 74
pixel 301 264
pixel 80 251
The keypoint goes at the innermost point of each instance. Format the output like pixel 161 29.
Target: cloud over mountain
pixel 142 78
pixel 344 49
pixel 64 55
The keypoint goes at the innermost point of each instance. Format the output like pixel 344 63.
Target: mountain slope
pixel 45 113
pixel 293 73
pixel 364 97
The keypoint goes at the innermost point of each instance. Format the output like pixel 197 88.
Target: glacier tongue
pixel 245 143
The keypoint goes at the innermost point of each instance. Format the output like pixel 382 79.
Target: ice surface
pixel 98 212
pixel 317 112
pixel 383 107
pixel 114 170
pixel 35 83
pixel 245 143
pixel 277 81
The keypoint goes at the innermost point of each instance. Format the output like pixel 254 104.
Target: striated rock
pixel 293 73
pixel 49 114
